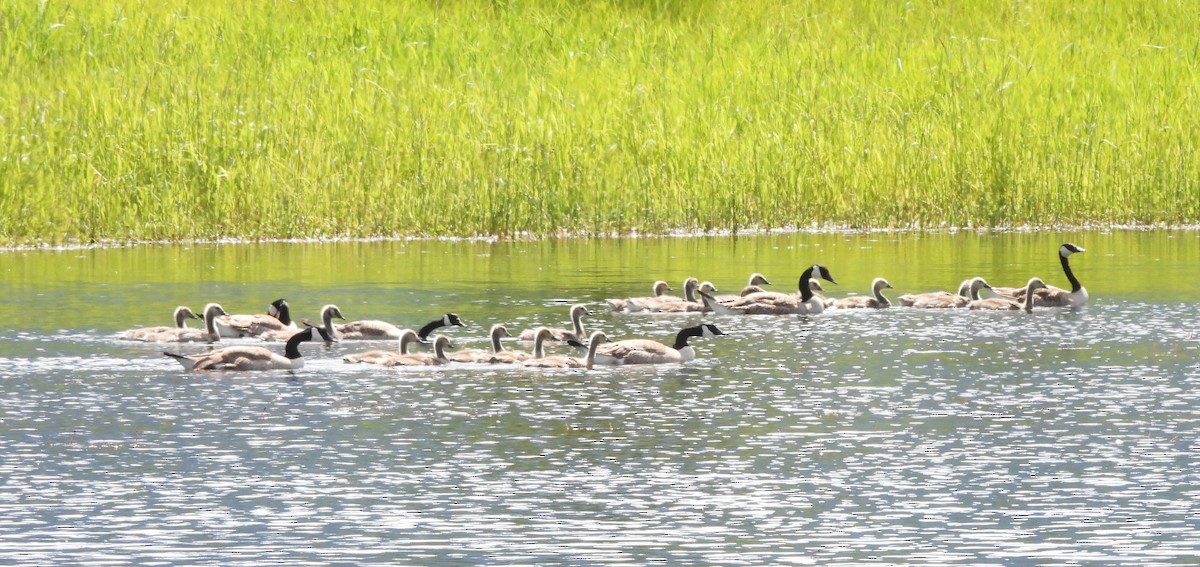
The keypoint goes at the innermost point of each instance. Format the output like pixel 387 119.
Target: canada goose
pixel 278 317
pixel 1002 303
pixel 690 287
pixel 540 360
pixel 403 357
pixel 774 303
pixel 968 291
pixel 878 301
pixel 559 334
pixel 659 288
pixel 328 313
pixel 380 330
pixel 483 355
pixel 158 334
pixel 407 337
pixel 1050 296
pixel 645 351
pixel 206 335
pixel 251 357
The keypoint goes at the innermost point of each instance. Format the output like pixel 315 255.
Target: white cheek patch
pixel 446 320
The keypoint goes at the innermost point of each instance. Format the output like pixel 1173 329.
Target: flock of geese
pixel 596 348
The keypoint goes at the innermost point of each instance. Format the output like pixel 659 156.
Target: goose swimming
pixel 161 333
pixel 645 351
pixel 251 357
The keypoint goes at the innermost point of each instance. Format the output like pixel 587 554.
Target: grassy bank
pixel 173 119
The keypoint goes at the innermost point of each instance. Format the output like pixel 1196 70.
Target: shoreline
pixel 531 237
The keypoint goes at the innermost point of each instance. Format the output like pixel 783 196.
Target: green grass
pixel 175 119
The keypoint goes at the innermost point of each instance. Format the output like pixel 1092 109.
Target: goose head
pixel 539 341
pixel 1068 249
pixel 598 338
pixel 183 313
pixel 407 337
pixel 280 309
pixel 758 279
pixel 661 287
pixel 440 344
pixel 330 312
pixel 1033 285
pixel 977 286
pixel 823 273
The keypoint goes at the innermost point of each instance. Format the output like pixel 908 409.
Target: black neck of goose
pixel 285 315
pixel 430 327
pixel 805 291
pixel 681 340
pixel 292 348
pixel 1075 285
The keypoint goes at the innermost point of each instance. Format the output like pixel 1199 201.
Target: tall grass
pixel 176 119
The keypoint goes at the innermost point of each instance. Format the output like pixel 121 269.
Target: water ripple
pixel 899 437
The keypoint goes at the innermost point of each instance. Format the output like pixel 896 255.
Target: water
pixel 902 436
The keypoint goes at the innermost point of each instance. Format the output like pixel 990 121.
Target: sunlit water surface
pixel 899 436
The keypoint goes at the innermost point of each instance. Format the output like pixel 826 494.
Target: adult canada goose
pixel 559 334
pixel 278 317
pixel 153 334
pixel 659 288
pixel 645 351
pixel 1050 296
pixel 403 357
pixel 540 360
pixel 968 291
pixel 481 354
pixel 381 330
pixel 206 335
pixel 690 287
pixel 328 313
pixel 1002 303
pixel 875 301
pixel 774 303
pixel 251 357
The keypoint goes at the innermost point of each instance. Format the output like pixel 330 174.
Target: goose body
pixel 645 351
pixel 402 356
pixel 576 331
pixel 371 330
pixel 185 335
pixel 328 314
pixel 277 317
pixel 774 303
pixel 540 360
pixel 659 288
pixel 875 301
pixel 483 355
pixel 696 306
pixel 1051 296
pixel 250 357
pixel 161 334
pixel 756 280
pixel 655 304
pixel 968 291
pixel 1002 303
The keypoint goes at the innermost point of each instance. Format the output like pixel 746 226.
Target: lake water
pixel 897 436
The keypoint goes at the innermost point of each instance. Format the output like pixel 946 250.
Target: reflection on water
pixel 902 436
